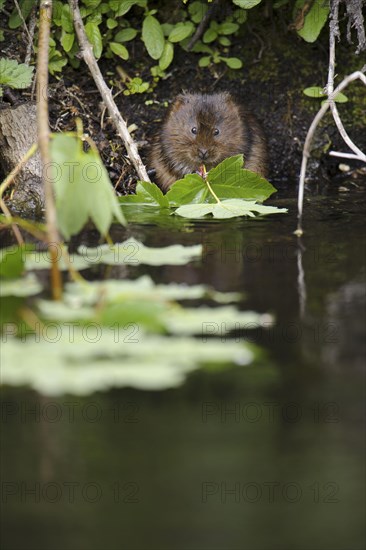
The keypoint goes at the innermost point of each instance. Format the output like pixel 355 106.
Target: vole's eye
pixel 194 130
pixel 216 132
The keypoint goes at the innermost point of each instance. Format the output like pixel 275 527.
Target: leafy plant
pixel 319 93
pixel 226 191
pixel 14 74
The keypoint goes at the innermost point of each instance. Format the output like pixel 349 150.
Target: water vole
pixel 206 129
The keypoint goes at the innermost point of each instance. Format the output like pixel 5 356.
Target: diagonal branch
pixel 120 124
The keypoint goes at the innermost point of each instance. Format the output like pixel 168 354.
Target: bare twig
pixel 309 137
pixel 105 92
pixel 22 19
pixel 32 26
pixel 53 238
pixel 332 94
pixel 330 87
pixel 15 229
pixel 15 171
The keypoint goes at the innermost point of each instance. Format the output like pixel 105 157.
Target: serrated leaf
pixel 191 189
pixel 119 49
pixel 166 56
pixel 181 31
pixel 146 194
pixel 82 186
pixel 95 38
pixel 125 35
pixel 14 74
pixel 230 208
pixel 228 180
pixel 153 36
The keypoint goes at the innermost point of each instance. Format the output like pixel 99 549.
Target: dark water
pixel 264 457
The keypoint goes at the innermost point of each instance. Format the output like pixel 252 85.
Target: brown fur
pixel 177 151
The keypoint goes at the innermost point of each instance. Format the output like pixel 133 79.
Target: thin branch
pixel 32 27
pixel 203 24
pixel 87 53
pixel 15 229
pixel 357 75
pixel 344 155
pixel 15 171
pixel 22 20
pixel 53 238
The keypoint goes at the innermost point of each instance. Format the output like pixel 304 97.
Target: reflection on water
pixel 267 457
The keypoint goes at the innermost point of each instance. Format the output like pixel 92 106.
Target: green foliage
pixel 14 74
pixel 314 20
pixel 82 186
pixel 136 86
pixel 225 191
pixel 11 262
pixel 319 93
pixel 89 343
pixel 111 25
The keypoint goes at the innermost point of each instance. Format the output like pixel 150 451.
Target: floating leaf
pixel 227 209
pixel 27 286
pixel 132 252
pixel 80 361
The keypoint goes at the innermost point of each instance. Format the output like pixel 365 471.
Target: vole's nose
pixel 203 154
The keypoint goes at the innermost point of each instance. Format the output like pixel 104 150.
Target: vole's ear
pixel 181 99
pixel 227 97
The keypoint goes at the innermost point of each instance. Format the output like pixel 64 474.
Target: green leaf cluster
pixel 228 190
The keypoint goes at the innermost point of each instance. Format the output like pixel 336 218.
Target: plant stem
pixel 53 238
